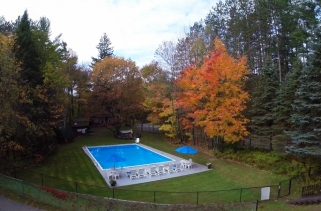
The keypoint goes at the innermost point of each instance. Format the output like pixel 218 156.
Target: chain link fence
pixel 250 194
pixel 81 202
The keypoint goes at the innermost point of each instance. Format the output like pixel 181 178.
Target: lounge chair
pixel 178 167
pixel 170 168
pixel 160 170
pixel 133 174
pixel 152 171
pixel 141 173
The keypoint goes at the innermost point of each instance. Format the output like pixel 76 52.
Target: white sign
pixel 265 193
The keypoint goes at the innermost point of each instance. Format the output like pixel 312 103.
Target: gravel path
pixel 9 205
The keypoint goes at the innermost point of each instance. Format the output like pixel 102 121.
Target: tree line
pixel 249 68
pixel 38 81
pixel 45 90
pixel 281 41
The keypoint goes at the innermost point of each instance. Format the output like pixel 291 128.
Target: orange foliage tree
pixel 117 89
pixel 213 95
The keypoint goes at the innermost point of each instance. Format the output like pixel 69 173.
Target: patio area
pixel 124 179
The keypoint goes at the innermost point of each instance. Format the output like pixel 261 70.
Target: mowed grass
pixel 69 168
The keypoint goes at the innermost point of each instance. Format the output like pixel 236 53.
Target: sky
pixel 135 28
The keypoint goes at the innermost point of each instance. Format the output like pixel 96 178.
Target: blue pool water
pixel 124 156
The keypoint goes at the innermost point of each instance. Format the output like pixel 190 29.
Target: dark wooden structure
pixel 64 135
pixel 103 120
pixel 311 190
pixel 128 134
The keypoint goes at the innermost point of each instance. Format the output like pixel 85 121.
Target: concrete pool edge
pixel 117 150
pixel 125 181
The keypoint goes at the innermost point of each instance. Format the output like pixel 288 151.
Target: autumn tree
pixel 69 68
pixel 156 89
pixel 78 87
pixel 82 86
pixel 117 89
pixel 11 120
pixel 213 95
pixel 166 54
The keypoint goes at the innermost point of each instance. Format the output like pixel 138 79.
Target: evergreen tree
pixel 262 102
pixel 104 49
pixel 306 136
pixel 261 29
pixel 284 98
pixel 26 53
pixel 41 102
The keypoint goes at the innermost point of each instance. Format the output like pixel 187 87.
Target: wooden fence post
pixel 290 184
pixel 279 190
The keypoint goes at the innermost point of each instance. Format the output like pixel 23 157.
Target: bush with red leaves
pixel 56 193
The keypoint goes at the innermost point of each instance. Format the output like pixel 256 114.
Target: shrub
pixel 112 182
pixel 280 141
pixel 285 164
pixel 56 193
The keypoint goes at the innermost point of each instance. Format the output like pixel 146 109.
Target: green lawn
pixel 69 168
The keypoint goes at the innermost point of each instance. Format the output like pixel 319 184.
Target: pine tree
pixel 306 136
pixel 104 49
pixel 284 98
pixel 43 97
pixel 26 53
pixel 262 101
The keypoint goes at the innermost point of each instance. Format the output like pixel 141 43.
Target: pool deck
pixel 124 180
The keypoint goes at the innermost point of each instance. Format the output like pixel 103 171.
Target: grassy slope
pixel 27 201
pixel 70 163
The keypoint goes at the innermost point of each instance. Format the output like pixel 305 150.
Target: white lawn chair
pixel 152 171
pixel 110 175
pixel 170 168
pixel 141 173
pixel 132 174
pixel 160 170
pixel 189 164
pixel 183 163
pixel 116 175
pixel 113 175
pixel 178 167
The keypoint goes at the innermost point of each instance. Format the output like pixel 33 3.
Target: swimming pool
pixel 125 156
